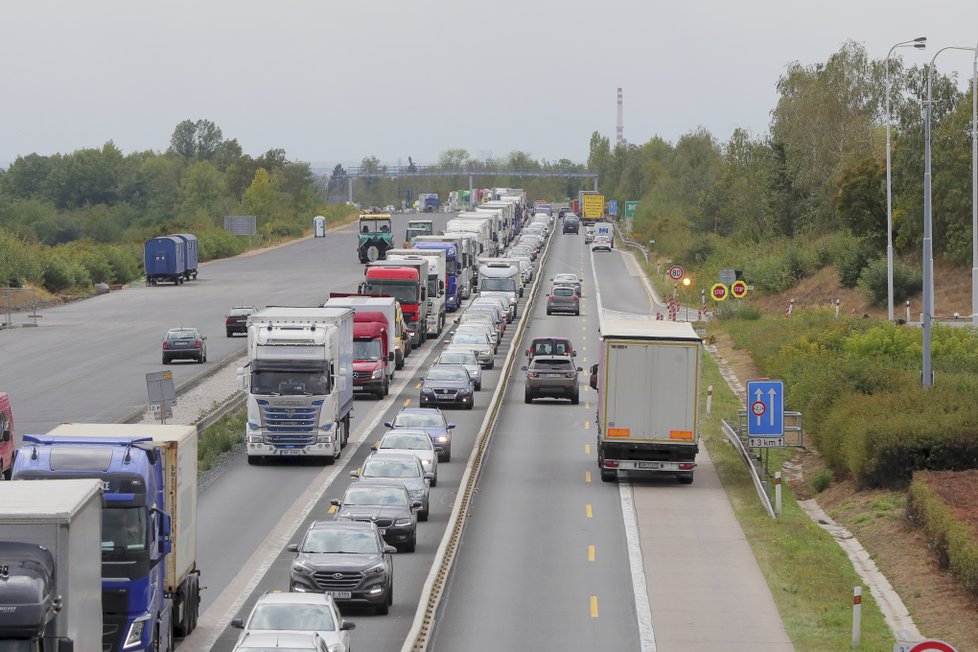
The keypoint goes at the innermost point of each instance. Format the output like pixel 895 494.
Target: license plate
pixel 648 465
pixel 180 344
pixel 552 375
pixel 340 594
pixel 290 451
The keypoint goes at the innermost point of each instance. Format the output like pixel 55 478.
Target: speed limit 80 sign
pixel 676 272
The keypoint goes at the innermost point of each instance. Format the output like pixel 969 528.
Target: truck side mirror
pixel 4 436
pixel 390 356
pixel 593 382
pixel 441 285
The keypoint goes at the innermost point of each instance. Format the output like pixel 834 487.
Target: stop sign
pixel 738 289
pixel 719 292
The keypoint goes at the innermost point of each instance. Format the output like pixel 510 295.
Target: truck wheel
pixel 254 460
pixel 685 478
pixel 399 361
pixel 423 515
pixel 608 475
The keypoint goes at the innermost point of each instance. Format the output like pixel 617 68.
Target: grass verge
pixel 221 438
pixel 810 576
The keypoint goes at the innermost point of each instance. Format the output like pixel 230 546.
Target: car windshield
pixel 552 365
pixel 329 540
pixel 551 347
pixel 289 383
pixel 124 528
pixel 419 420
pixel 447 373
pixel 375 496
pixel 497 284
pixel 366 350
pixel 237 312
pixel 182 335
pixel 457 357
pixel 565 278
pixel 409 442
pixel 390 469
pixel 307 617
pixel 470 338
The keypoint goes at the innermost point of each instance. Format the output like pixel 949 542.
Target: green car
pixel 374 237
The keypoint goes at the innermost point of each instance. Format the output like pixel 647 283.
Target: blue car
pixel 432 421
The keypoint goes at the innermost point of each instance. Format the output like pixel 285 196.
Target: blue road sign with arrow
pixel 765 408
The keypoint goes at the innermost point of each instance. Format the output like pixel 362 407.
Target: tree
pixel 184 139
pixel 199 140
pixel 454 160
pixel 861 200
pixel 260 199
pixel 200 189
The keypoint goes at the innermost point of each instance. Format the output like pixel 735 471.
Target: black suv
pixel 571 225
pixel 346 560
pixel 389 506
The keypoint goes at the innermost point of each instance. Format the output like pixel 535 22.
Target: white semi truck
pixel 648 382
pixel 501 276
pixel 507 217
pixel 436 283
pixel 51 566
pixel 477 225
pixel 299 380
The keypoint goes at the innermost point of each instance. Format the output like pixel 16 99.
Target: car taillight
pixel 533 374
pixel 229 321
pixel 575 297
pixel 686 466
pixel 197 344
pixel 165 345
pixel 610 464
pixel 551 297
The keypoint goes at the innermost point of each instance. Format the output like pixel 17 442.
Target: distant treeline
pixel 70 220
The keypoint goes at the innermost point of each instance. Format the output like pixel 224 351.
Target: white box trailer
pixel 436 283
pixel 384 305
pixel 648 381
pixel 479 229
pixel 51 550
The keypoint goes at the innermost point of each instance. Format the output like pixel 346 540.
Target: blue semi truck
pixel 170 259
pixel 452 269
pixel 150 580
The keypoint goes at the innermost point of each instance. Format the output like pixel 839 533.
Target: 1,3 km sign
pixel 765 413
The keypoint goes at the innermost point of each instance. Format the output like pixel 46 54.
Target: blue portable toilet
pixel 190 253
pixel 319 227
pixel 165 260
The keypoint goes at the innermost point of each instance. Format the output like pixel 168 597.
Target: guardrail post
pixel 857 603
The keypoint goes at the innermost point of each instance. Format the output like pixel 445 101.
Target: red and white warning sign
pixel 758 408
pixel 676 272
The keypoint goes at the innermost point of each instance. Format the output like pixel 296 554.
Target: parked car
pixel 601 243
pixel 298 612
pixel 396 468
pixel 467 359
pixel 566 278
pixel 236 320
pixel 550 346
pixel 563 299
pixel 416 442
pixel 553 376
pixel 184 344
pixel 285 641
pixel 432 421
pixel 347 560
pixel 448 385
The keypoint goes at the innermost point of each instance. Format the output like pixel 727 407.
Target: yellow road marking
pixel 418 386
pixel 583 348
pixel 587 449
pixel 587 425
pixel 590 552
pixel 407 402
pixel 587 510
pixel 583 360
pixel 332 509
pixel 587 476
pixel 594 606
pixel 587 406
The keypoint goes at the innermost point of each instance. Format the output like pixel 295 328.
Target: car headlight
pixel 376 569
pixel 376 374
pixel 299 567
pixel 135 635
pixel 441 439
pixel 425 462
pixel 427 391
pixel 324 438
pixel 402 522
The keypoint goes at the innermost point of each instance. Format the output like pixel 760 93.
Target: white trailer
pixel 479 225
pixel 384 305
pixel 507 215
pixel 436 282
pixel 51 565
pixel 648 381
pixel 299 380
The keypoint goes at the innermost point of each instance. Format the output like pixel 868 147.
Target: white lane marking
pixel 643 610
pixel 213 621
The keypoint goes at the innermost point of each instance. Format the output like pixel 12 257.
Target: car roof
pixel 341 525
pixel 285 597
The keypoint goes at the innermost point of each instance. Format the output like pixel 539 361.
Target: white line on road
pixel 643 610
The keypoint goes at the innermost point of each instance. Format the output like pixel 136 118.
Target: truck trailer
pixel 51 566
pixel 436 283
pixel 299 380
pixel 407 282
pixel 374 340
pixel 453 266
pixel 150 580
pixel 648 380
pixel 165 260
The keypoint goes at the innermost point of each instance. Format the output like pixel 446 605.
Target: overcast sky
pixel 333 80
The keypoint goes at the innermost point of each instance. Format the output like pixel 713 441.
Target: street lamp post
pixel 919 43
pixel 926 320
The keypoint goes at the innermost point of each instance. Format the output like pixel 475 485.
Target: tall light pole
pixel 920 43
pixel 974 190
pixel 926 373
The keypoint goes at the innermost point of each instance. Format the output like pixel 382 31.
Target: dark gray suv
pixel 551 375
pixel 346 560
pixel 563 298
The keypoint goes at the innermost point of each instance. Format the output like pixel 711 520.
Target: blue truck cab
pixel 452 270
pixel 150 583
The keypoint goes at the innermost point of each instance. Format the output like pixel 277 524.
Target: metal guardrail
pixel 734 438
pixel 628 242
pixel 418 637
pixel 203 422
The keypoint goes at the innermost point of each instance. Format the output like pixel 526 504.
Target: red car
pixel 237 320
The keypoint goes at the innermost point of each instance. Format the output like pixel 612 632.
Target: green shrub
pixel 822 480
pixel 96 262
pixel 282 229
pixel 20 261
pixel 952 540
pixel 125 263
pixel 873 282
pixel 739 310
pixel 58 273
pixel 851 259
pixel 219 244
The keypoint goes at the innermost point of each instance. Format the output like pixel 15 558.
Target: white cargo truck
pixel 299 380
pixel 493 218
pixel 51 565
pixel 501 276
pixel 648 381
pixel 507 217
pixel 437 279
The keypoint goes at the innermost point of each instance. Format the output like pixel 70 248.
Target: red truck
pixel 374 340
pixel 6 437
pixel 404 281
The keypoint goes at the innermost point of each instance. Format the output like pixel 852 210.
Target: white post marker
pixel 777 493
pixel 857 604
pixel 709 400
pixel 838 305
pixel 908 311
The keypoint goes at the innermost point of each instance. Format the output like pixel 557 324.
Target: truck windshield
pixel 289 383
pixel 366 350
pixel 497 284
pixel 124 528
pixel 403 291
